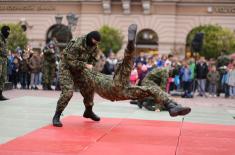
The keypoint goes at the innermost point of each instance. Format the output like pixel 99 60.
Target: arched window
pixel 62 34
pixel 147 38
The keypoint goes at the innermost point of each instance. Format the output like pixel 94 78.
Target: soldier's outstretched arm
pixel 73 61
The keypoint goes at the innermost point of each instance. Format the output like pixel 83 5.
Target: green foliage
pixel 16 38
pixel 112 39
pixel 216 40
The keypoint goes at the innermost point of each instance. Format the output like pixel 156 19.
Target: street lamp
pixel 72 20
pixel 24 24
pixel 58 19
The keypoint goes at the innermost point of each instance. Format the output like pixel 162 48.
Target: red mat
pixel 124 137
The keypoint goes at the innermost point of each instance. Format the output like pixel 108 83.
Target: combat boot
pixel 2 98
pixel 140 104
pixel 56 119
pixel 175 109
pixel 149 105
pixel 132 29
pixel 90 114
pixel 133 102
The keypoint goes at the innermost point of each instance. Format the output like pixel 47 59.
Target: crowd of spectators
pixel 205 77
pixel 24 69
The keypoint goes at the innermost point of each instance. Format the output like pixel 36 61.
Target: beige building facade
pixel 170 20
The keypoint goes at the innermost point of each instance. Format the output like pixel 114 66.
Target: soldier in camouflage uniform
pixel 75 71
pixel 159 77
pixel 5 31
pixel 49 65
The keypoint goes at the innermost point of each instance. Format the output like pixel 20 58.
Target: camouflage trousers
pixel 48 73
pixel 3 72
pixel 112 88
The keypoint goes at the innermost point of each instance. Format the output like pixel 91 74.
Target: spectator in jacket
pixel 224 82
pixel 213 78
pixel 24 71
pixel 201 75
pixel 15 70
pixel 35 67
pixel 110 64
pixel 141 59
pixel 186 78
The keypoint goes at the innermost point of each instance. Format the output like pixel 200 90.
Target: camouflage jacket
pixel 49 55
pixel 77 54
pixel 158 76
pixel 3 49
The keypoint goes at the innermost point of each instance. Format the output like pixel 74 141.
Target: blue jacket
pixel 186 74
pixel 224 79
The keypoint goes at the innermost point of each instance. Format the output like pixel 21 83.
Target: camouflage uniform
pixel 156 77
pixel 3 62
pixel 74 73
pixel 73 60
pixel 49 66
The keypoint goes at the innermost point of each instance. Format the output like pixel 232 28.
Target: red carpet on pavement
pixel 114 136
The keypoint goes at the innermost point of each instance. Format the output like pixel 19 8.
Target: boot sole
pixel 185 111
pixel 181 113
pixel 58 125
pixel 132 29
pixel 97 120
pixel 3 99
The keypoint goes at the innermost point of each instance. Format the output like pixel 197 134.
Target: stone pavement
pixel 28 110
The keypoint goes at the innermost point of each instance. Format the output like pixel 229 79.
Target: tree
pixel 112 39
pixel 217 40
pixel 17 37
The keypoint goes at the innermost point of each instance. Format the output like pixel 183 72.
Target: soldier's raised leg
pixel 149 88
pixel 123 71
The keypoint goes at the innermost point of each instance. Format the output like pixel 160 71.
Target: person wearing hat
pixel 5 31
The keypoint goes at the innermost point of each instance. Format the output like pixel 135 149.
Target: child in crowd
pixel 134 77
pixel 186 78
pixel 224 82
pixel 213 78
pixel 144 71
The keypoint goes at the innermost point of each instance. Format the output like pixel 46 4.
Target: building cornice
pixel 50 1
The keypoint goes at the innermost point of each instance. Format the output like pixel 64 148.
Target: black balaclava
pixel 95 35
pixel 5 31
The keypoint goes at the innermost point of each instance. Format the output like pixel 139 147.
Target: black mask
pixel 5 31
pixel 95 35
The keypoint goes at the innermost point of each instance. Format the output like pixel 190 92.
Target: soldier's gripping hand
pixel 89 66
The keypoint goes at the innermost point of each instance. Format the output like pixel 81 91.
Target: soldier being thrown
pixel 76 71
